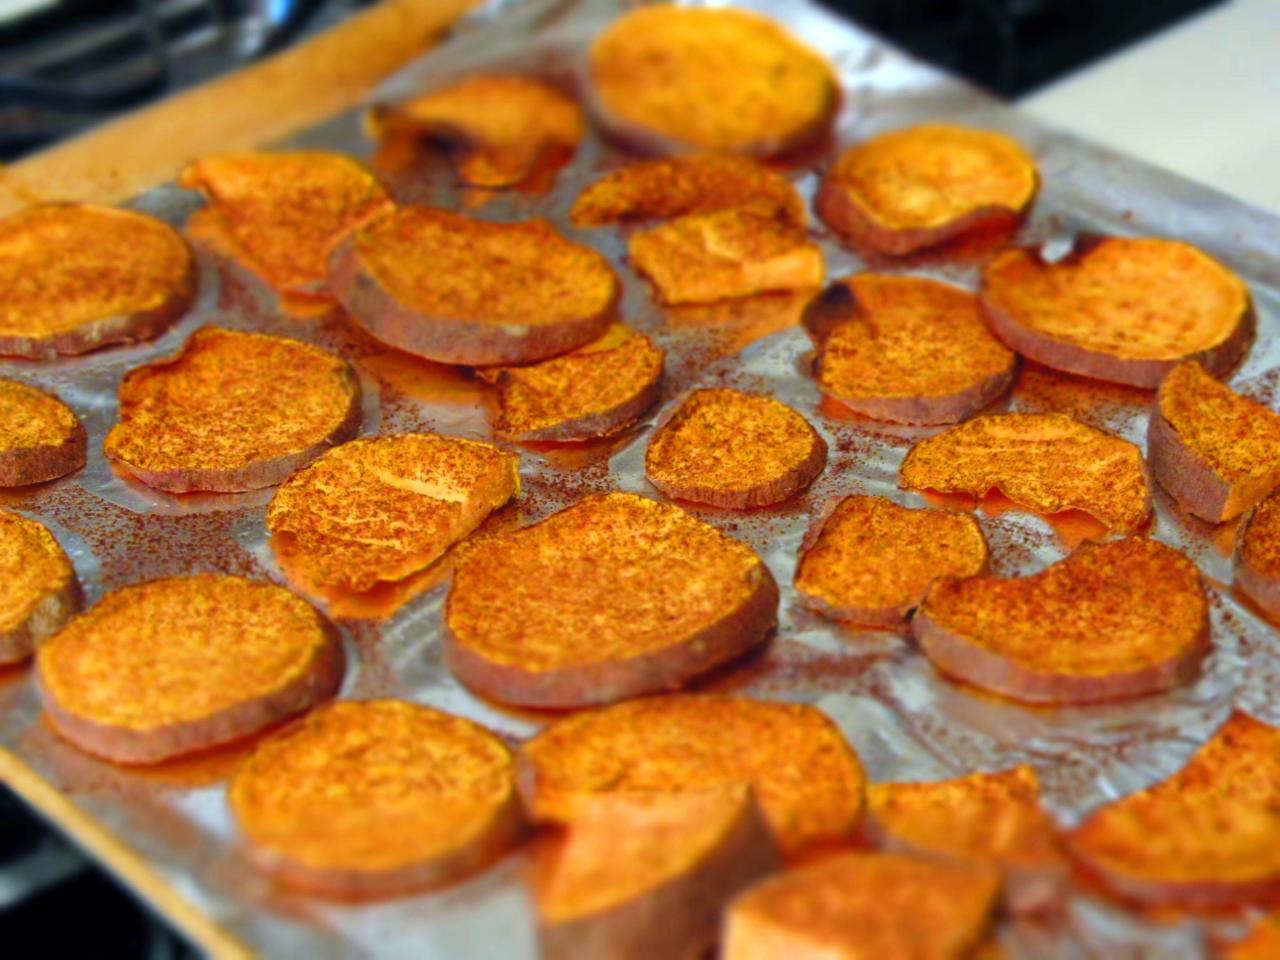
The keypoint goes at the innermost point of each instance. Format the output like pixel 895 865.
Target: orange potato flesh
pixel 1216 451
pixel 285 212
pixel 503 128
pixel 919 187
pixel 991 818
pixel 595 391
pixel 1209 836
pixel 377 798
pixel 379 509
pixel 871 560
pixel 172 666
pixel 1119 308
pixel 865 906
pixel 74 277
pixel 706 257
pixel 232 411
pixel 658 80
pixel 907 349
pixel 735 324
pixel 1262 943
pixel 662 189
pixel 1048 462
pixel 38 587
pixel 734 450
pixel 613 597
pixel 1257 564
pixel 1113 619
pixel 41 438
pixel 808 779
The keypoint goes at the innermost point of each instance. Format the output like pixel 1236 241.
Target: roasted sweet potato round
pixel 232 411
pixel 672 78
pixel 807 777
pixel 594 391
pixel 909 189
pixel 457 290
pixel 705 257
pixel 285 212
pixel 1046 461
pixel 172 666
pixel 502 128
pixel 633 857
pixel 1215 451
pixel 39 591
pixel 734 450
pixel 41 438
pixel 1207 837
pixel 992 818
pixel 665 188
pixel 869 561
pixel 1258 555
pixel 906 349
pixel 864 905
pixel 1118 619
pixel 1120 308
pixel 379 509
pixel 613 597
pixel 75 277
pixel 377 798
pixel 1262 942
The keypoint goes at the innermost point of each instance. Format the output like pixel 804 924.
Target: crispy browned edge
pixel 607 681
pixel 471 342
pixel 27 465
pixel 679 918
pixel 827 310
pixel 47 617
pixel 1071 358
pixel 957 656
pixel 121 744
pixel 253 476
pixel 1262 589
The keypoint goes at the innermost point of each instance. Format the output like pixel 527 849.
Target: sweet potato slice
pixel 285 212
pixel 869 561
pixel 377 798
pixel 1048 462
pixel 1257 561
pixel 502 128
pixel 807 777
pixel 734 450
pixel 631 596
pixel 39 591
pixel 665 188
pixel 865 906
pixel 706 257
pixel 379 509
pixel 915 188
pixel 1207 837
pixel 232 411
pixel 1119 308
pixel 1118 619
pixel 172 666
pixel 594 391
pixel 1262 942
pixel 906 349
pixel 991 818
pixel 41 438
pixel 646 875
pixel 1215 451
pixel 75 277
pixel 456 290
pixel 657 80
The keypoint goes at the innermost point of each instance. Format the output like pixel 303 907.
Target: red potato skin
pixel 680 919
pixel 505 831
pixel 449 340
pixel 604 424
pixel 48 617
pixel 958 657
pixel 18 468
pixel 607 681
pixel 1192 481
pixel 127 746
pixel 1154 893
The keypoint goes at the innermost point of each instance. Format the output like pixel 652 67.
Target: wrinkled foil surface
pixel 905 720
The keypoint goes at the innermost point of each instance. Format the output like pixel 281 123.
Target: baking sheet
pixel 905 720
